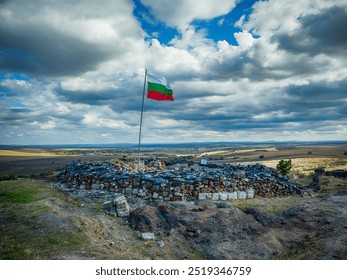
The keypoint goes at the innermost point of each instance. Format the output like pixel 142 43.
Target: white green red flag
pixel 158 88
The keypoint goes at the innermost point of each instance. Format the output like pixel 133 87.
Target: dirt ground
pixel 38 221
pixel 19 165
pixel 304 158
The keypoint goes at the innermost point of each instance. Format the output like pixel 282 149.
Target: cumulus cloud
pixel 283 78
pixel 60 38
pixel 318 33
pixel 181 13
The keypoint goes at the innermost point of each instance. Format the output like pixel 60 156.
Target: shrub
pixel 47 173
pixel 8 177
pixel 262 156
pixel 284 167
pixel 309 152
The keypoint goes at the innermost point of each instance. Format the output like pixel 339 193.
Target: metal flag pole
pixel 143 101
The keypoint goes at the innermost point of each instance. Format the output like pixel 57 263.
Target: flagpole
pixel 143 101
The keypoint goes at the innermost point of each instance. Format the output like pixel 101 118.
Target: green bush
pixel 33 176
pixel 47 173
pixel 8 178
pixel 284 167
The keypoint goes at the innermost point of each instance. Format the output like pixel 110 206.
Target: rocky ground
pixel 45 223
pixel 39 221
pixel 308 228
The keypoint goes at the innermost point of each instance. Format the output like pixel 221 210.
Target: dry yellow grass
pixel 228 152
pixel 27 153
pixel 308 165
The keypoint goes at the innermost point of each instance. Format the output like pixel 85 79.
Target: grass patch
pixel 32 245
pixel 332 185
pixel 29 227
pixel 275 205
pixel 40 208
pixel 310 247
pixel 305 251
pixel 19 192
pixel 46 173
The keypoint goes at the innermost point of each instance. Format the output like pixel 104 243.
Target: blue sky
pixel 241 70
pixel 217 28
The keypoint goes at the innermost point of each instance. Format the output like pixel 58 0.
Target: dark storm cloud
pixel 117 100
pixel 253 68
pixel 85 97
pixel 126 96
pixel 61 38
pixel 308 105
pixel 319 33
pixel 43 51
pixel 321 91
pixel 315 102
pixel 14 116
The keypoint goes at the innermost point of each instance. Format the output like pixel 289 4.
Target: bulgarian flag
pixel 158 88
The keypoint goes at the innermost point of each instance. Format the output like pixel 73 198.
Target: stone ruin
pixel 117 183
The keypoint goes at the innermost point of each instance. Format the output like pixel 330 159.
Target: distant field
pixel 232 152
pixel 304 158
pixel 41 222
pixel 27 153
pixel 37 161
pixel 307 166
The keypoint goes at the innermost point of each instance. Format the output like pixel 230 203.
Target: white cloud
pixel 170 60
pixel 96 120
pixel 180 13
pixel 61 38
pixel 256 90
pixel 244 39
pixel 221 21
pixel 50 124
pixel 277 16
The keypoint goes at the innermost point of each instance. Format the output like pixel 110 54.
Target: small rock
pixel 122 207
pixel 193 232
pixel 107 206
pixel 224 205
pixel 202 196
pixel 232 196
pixel 250 193
pixel 155 195
pixel 241 195
pixel 147 235
pixel 223 196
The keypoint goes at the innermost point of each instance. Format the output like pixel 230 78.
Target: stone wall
pixel 172 181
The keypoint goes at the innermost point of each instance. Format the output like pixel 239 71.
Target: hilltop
pixel 39 221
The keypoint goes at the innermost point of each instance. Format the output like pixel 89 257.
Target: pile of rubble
pixel 172 181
